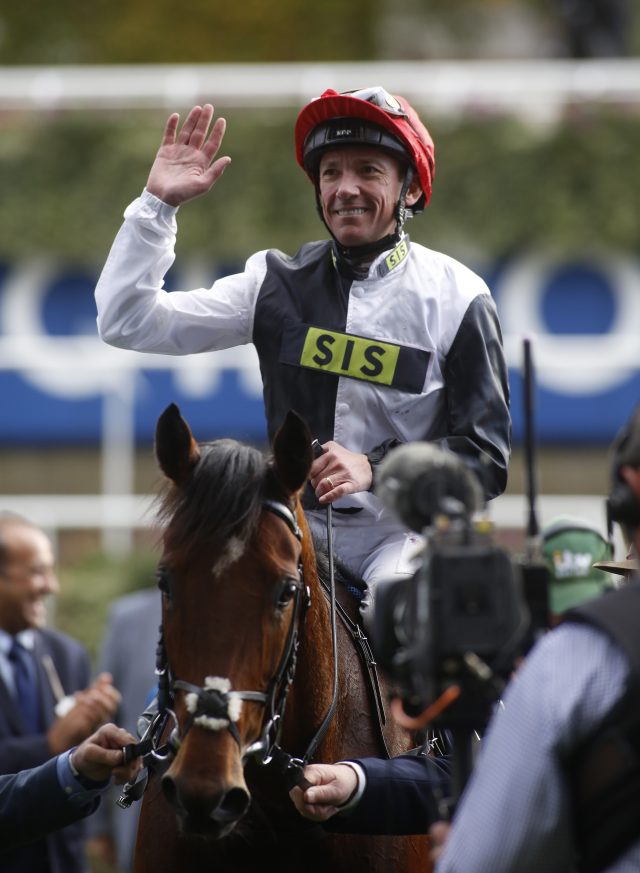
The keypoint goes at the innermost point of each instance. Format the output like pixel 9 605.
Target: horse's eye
pixel 288 589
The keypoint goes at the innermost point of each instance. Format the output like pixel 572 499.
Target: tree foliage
pixel 193 31
pixel 500 185
pixel 90 585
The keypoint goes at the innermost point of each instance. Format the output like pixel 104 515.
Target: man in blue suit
pixel 62 790
pixel 52 671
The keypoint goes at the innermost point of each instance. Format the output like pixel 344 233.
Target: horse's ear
pixel 176 449
pixel 292 452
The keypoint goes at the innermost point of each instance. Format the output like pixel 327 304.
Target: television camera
pixel 449 636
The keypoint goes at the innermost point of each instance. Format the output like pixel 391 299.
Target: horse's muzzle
pixel 209 816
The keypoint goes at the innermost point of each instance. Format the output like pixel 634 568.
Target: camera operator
pixel 375 795
pixel 557 783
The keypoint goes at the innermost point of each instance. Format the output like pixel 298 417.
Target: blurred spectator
pixel 570 547
pixel 52 671
pixel 595 28
pixel 128 653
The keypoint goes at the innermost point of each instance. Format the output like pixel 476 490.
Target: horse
pixel 257 676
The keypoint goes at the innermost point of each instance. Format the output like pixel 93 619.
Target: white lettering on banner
pixel 82 366
pixel 76 367
pixel 571 364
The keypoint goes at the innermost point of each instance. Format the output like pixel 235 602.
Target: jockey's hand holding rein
pixel 338 472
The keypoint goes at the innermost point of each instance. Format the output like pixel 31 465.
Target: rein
pixel 320 733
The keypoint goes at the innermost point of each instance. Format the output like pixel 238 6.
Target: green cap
pixel 570 548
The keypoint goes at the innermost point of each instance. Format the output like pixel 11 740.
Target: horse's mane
pixel 221 504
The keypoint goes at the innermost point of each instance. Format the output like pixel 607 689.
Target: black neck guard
pixel 354 261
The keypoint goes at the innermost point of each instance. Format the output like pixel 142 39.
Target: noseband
pixel 215 706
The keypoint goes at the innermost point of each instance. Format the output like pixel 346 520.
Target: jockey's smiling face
pixel 359 191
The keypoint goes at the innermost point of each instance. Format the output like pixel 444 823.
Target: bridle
pixel 214 705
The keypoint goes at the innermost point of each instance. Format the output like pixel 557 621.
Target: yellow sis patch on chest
pixel 348 355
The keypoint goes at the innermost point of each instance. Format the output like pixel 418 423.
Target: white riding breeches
pixel 377 550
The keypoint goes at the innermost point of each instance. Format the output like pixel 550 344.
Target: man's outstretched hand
pixel 184 167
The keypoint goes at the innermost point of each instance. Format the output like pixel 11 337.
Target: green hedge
pixel 500 184
pixel 196 31
pixel 199 31
pixel 88 587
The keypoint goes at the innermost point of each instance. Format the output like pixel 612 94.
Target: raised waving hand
pixel 184 167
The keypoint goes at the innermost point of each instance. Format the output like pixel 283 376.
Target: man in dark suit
pixel 53 671
pixel 398 795
pixel 64 789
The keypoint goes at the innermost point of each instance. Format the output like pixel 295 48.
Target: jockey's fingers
pixel 328 491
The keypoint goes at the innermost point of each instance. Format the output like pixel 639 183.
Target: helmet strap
pixel 401 207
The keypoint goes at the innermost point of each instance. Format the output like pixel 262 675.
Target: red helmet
pixel 386 121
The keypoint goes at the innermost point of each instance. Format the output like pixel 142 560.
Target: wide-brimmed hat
pixel 572 549
pixel 623 567
pixel 619 567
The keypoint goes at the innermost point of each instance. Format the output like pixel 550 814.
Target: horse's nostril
pixel 233 805
pixel 169 789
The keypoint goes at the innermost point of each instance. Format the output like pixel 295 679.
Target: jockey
pixel 371 118
pixel 374 340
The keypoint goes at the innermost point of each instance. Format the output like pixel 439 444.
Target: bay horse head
pixel 233 597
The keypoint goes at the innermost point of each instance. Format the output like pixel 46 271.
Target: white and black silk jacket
pixel 412 352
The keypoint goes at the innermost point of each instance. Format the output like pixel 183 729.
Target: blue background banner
pixel 58 379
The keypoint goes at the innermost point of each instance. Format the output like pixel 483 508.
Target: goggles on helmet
pixel 380 98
